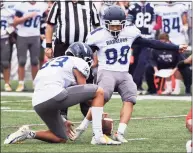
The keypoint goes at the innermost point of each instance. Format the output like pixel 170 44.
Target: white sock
pixel 121 128
pixel 97 121
pixel 84 124
pixel 169 85
pixel 21 82
pixel 31 135
pixel 177 86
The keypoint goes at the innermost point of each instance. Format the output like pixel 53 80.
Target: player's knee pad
pixel 5 64
pixel 22 61
pixel 34 61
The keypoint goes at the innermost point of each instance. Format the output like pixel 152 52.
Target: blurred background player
pixel 144 19
pixel 174 21
pixel 27 19
pixel 7 28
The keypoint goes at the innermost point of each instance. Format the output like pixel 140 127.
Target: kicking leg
pixel 128 91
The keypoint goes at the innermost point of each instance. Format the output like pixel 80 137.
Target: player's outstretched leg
pixel 125 116
pixel 18 136
pixel 95 114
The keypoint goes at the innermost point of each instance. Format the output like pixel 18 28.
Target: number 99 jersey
pixel 113 54
pixel 172 21
pixel 58 73
pixel 31 27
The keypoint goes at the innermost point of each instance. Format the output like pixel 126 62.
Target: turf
pixel 161 135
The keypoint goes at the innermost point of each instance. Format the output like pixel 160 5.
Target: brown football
pixel 107 126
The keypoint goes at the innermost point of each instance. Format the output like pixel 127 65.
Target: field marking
pixel 11 101
pixel 133 118
pixel 114 96
pixel 137 139
pixel 20 111
pixel 5 108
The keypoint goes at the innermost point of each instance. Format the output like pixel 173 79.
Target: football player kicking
pixel 113 43
pixel 61 83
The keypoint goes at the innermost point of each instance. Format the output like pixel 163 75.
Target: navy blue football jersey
pixel 143 16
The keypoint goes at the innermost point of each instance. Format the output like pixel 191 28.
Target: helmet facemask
pixel 110 26
pixel 88 60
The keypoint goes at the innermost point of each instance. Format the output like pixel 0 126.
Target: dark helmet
pixel 114 15
pixel 81 50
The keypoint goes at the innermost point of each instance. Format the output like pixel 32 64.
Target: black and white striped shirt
pixel 74 20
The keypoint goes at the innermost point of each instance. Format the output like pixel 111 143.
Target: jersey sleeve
pixel 92 38
pixel 82 67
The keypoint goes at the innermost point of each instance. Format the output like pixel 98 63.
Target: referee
pixel 74 20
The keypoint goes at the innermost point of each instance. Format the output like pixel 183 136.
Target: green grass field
pixel 161 134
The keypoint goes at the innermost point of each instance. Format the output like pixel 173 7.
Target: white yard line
pixel 137 139
pixel 134 118
pixel 20 94
pixel 20 111
pixel 115 96
pixel 5 108
pixel 13 101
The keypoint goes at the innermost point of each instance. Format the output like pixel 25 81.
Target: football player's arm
pixel 80 78
pixel 19 18
pixel 158 45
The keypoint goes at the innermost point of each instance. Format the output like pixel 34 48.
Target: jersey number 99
pixel 112 55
